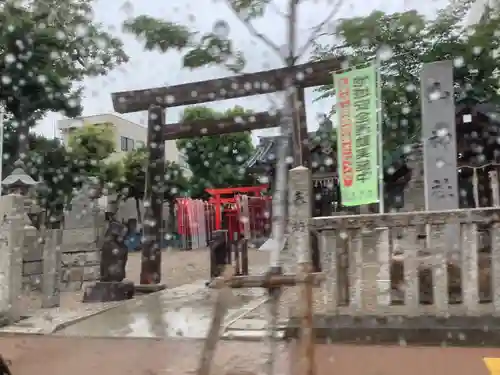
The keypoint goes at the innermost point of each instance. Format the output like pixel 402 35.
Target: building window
pixel 139 144
pixel 127 144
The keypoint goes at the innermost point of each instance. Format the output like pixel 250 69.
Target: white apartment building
pixel 128 135
pixel 478 9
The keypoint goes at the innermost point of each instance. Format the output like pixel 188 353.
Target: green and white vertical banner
pixel 357 138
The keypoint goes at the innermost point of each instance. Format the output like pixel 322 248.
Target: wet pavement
pixel 30 355
pixel 156 334
pixel 180 312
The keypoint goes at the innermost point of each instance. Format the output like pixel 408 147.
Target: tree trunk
pixel 116 204
pixel 138 209
pixel 23 145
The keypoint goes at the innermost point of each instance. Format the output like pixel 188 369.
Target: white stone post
pixel 495 195
pixel 299 209
pixel 298 253
pixel 11 255
pixel 52 254
pixel 300 202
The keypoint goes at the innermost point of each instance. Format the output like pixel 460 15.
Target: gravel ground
pixel 184 267
pixel 178 268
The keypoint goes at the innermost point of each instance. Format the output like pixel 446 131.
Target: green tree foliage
pixel 90 146
pixel 133 183
pixel 46 49
pixel 62 171
pixel 111 175
pixel 216 161
pixel 50 163
pixel 201 49
pixel 403 42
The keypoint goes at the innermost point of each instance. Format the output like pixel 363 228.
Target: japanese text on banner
pixel 357 136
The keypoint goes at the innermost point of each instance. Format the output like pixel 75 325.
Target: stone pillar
pixel 11 262
pixel 299 213
pixel 300 200
pixel 52 254
pixel 298 251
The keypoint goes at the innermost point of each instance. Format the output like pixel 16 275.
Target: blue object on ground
pixel 133 241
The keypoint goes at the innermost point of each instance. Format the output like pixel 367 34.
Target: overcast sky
pixel 151 69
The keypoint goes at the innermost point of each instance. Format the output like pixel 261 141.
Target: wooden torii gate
pixel 156 100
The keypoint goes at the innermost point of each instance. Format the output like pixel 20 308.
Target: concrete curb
pixel 24 327
pixel 78 319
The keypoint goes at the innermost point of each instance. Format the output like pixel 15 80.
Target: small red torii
pixel 217 201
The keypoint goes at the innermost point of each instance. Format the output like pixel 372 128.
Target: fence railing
pixel 372 269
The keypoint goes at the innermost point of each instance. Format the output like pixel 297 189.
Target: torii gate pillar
pixel 153 198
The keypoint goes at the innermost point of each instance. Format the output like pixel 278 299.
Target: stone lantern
pixel 19 187
pixel 19 182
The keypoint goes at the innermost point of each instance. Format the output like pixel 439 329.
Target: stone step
pixel 252 325
pixel 250 335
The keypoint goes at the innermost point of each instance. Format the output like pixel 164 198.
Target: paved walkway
pixel 184 311
pixel 82 356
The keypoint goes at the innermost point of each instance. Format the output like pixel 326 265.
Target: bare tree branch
pixel 254 31
pixel 276 10
pixel 317 29
pixel 292 32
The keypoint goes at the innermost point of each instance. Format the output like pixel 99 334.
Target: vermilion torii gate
pixel 217 200
pixel 156 100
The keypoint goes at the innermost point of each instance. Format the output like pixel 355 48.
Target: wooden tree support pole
pixel 306 279
pixel 267 281
pixel 4 366
pixel 306 342
pixel 220 309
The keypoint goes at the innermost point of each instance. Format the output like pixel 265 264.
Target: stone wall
pixel 47 260
pixel 79 259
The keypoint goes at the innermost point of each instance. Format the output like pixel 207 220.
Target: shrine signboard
pixel 439 136
pixel 357 137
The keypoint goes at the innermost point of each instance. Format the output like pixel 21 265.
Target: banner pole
pixel 378 66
